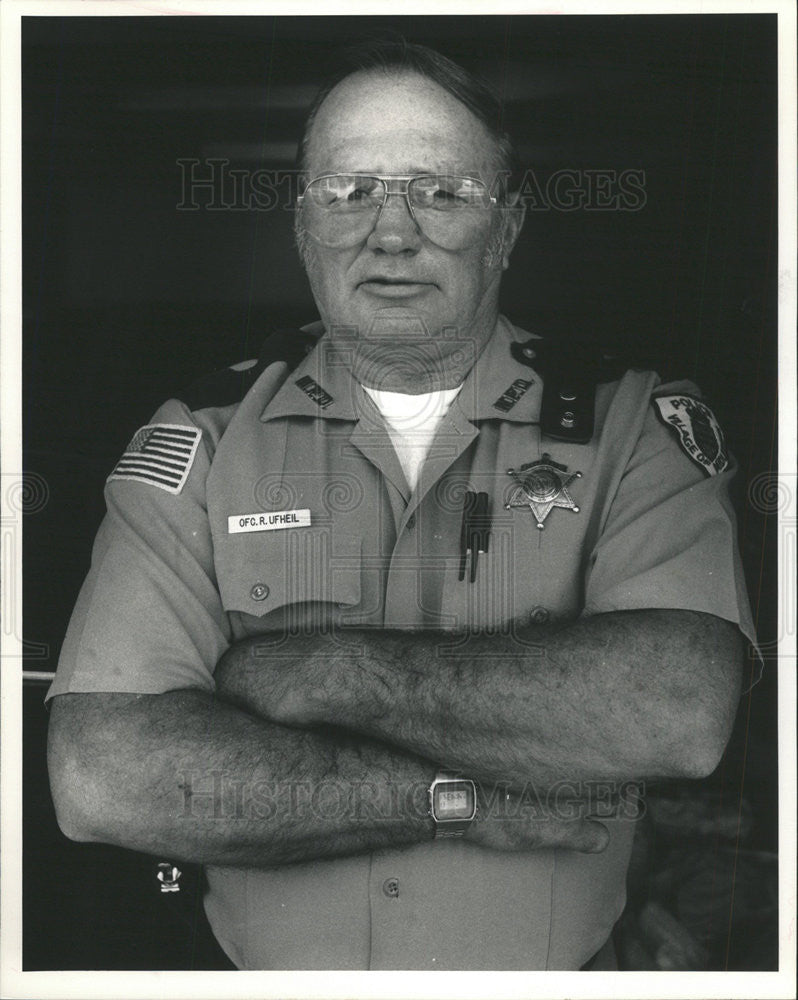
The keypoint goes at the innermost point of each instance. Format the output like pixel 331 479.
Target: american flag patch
pixel 161 455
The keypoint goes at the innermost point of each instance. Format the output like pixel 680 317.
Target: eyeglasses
pixel 341 210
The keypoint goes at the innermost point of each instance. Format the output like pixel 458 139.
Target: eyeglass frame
pixel 407 178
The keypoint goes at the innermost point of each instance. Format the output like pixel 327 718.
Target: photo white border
pixel 438 985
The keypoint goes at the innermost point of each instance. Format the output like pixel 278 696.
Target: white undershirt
pixel 412 421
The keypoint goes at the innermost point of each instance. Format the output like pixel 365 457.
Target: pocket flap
pixel 260 572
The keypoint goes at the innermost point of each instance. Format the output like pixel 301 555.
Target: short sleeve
pixel 669 535
pixel 149 618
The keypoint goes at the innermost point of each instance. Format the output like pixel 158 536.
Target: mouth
pixel 395 287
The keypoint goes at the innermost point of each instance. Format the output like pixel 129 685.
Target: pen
pixel 474 531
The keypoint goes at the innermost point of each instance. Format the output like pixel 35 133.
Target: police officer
pixel 367 627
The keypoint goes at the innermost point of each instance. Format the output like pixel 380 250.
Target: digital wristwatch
pixel 452 804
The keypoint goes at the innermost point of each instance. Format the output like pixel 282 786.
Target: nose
pixel 395 230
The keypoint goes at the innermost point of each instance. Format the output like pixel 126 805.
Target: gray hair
pixel 400 56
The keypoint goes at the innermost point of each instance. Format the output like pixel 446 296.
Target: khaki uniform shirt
pixel 175 580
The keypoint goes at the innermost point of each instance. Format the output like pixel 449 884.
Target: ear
pixel 514 214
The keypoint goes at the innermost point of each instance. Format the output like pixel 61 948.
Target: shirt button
pixel 259 592
pixel 539 615
pixel 391 887
pixel 411 522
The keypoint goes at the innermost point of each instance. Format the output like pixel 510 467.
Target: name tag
pixel 268 521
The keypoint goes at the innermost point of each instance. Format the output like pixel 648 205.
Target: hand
pixel 509 821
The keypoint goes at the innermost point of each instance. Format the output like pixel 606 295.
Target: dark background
pixel 127 299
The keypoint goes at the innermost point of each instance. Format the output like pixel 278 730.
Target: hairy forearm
pixel 628 694
pixel 186 775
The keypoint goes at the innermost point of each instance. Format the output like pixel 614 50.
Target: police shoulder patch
pixel 696 429
pixel 160 455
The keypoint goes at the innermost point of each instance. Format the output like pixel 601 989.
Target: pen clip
pixel 469 501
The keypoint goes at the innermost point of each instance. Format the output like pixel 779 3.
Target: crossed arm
pixel 634 693
pixel 217 778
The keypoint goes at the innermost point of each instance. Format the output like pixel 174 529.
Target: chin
pixel 399 322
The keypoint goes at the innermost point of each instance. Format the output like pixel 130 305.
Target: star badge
pixel 542 485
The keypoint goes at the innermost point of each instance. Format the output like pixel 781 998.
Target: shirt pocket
pixel 519 581
pixel 293 576
pixel 507 580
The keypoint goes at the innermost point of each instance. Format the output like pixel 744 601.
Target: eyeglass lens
pixel 341 210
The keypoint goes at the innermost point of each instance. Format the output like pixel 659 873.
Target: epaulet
pixel 230 385
pixel 571 371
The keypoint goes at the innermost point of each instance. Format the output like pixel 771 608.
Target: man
pixel 316 614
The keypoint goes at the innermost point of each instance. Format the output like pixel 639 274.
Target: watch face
pixel 454 800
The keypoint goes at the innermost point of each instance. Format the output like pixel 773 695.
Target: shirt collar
pixel 498 387
pixel 321 386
